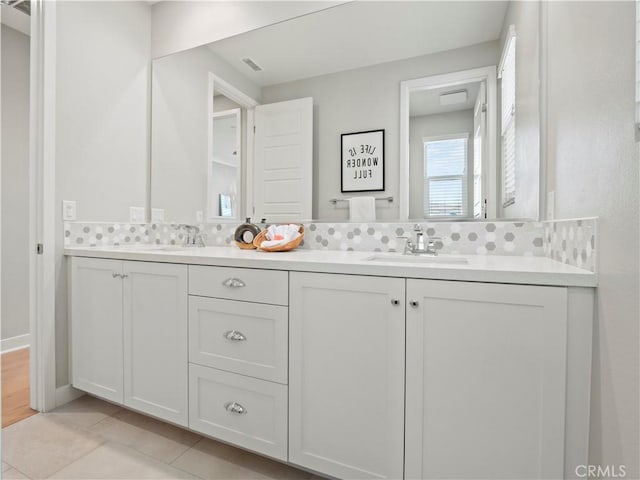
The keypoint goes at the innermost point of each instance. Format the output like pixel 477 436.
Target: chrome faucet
pixel 193 238
pixel 420 245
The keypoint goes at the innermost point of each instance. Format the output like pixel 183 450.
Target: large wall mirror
pixel 454 86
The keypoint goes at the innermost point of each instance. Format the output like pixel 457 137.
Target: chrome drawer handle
pixel 234 336
pixel 235 407
pixel 233 283
pixel 119 275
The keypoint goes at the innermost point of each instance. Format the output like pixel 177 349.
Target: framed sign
pixel 362 161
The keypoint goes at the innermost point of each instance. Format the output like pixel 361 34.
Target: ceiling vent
pixel 22 5
pixel 253 65
pixel 453 98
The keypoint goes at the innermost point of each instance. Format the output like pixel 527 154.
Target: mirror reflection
pixel 454 148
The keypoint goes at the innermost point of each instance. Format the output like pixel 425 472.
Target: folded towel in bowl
pixel 280 235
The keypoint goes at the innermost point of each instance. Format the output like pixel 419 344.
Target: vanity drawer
pixel 247 284
pixel 240 410
pixel 240 337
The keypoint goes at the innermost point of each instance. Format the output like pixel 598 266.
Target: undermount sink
pixel 417 259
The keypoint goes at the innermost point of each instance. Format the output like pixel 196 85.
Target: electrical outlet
pixel 136 214
pixel 69 210
pixel 551 205
pixel 157 215
pixel 199 216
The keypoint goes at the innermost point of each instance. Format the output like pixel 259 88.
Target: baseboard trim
pixel 15 343
pixel 66 394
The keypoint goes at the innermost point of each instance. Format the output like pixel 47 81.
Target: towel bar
pixel 336 200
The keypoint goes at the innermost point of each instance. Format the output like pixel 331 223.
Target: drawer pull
pixel 395 302
pixel 233 283
pixel 234 336
pixel 115 275
pixel 235 407
pixel 414 304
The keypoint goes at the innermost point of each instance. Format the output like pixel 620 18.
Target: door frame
pixel 42 201
pixel 218 85
pixel 486 74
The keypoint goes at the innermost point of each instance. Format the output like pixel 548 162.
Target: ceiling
pixel 358 34
pixel 427 102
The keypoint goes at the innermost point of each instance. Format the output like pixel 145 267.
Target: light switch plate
pixel 199 216
pixel 136 214
pixel 69 210
pixel 157 215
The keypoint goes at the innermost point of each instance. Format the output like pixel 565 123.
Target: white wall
pixel 15 183
pixel 179 129
pixel 431 126
pixel 180 25
pixel 102 79
pixel 366 99
pixel 524 16
pixel 593 167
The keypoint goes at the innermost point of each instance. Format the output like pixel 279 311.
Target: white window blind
pixel 445 177
pixel 507 75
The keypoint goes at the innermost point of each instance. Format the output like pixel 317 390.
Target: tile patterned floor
pixel 92 439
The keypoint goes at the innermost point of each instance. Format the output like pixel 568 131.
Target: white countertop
pixel 479 268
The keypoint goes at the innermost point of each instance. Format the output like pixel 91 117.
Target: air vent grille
pixel 253 65
pixel 22 5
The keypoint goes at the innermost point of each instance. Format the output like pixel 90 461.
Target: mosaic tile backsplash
pixel 569 241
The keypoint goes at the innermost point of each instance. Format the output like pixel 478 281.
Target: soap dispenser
pixel 245 234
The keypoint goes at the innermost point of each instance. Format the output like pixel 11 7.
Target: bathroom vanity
pixel 345 363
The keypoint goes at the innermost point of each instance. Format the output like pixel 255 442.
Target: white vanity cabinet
pixel 129 334
pixel 486 379
pixel 346 374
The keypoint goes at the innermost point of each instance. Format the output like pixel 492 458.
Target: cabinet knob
pixel 395 302
pixel 233 283
pixel 235 407
pixel 234 336
pixel 414 304
pixel 115 275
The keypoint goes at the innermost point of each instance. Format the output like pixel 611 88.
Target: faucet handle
pixel 417 227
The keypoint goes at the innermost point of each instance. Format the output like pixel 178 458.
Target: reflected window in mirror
pixel 446 185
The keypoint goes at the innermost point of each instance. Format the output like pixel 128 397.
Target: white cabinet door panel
pixel 155 340
pixel 346 379
pixel 96 327
pixel 485 380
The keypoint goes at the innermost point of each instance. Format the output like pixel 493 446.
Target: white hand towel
pixel 362 209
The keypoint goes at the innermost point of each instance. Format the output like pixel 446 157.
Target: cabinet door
pixel 485 380
pixel 96 327
pixel 155 340
pixel 346 374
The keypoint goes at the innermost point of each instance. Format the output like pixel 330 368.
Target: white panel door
pixel 346 374
pixel 283 161
pixel 485 380
pixel 96 327
pixel 155 340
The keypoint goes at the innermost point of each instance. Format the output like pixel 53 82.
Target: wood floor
pixel 15 387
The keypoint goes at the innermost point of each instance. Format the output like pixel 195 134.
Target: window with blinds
pixel 445 177
pixel 507 75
